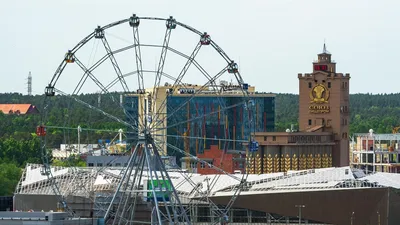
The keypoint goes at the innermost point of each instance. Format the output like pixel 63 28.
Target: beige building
pixel 322 140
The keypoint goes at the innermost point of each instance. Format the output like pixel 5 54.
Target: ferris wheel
pixel 174 95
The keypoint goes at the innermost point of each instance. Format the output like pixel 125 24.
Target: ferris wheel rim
pixel 90 36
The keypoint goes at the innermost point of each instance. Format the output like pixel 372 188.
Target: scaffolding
pixel 372 152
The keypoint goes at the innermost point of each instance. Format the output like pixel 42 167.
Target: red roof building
pixel 18 109
pixel 230 162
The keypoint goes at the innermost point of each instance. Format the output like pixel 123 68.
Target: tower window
pixel 329 84
pixel 309 85
pixel 309 122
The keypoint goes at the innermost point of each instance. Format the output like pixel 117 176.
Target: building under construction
pixel 373 152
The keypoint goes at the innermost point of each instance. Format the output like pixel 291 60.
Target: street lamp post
pixel 379 218
pixel 352 217
pixel 300 207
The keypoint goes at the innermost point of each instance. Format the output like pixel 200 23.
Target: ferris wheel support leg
pixel 121 182
pixel 139 168
pixel 134 184
pixel 125 192
pixel 176 197
pixel 166 205
pixel 149 169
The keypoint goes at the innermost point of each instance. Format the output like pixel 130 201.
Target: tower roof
pixel 324 51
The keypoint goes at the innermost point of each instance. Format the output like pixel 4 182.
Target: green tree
pixel 72 161
pixel 9 177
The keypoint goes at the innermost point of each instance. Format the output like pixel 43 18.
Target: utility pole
pixel 300 207
pixel 79 139
pixel 352 218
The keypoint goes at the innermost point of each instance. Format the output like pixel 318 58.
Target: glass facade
pixel 210 120
pixel 194 124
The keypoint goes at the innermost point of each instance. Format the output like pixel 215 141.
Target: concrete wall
pixel 328 206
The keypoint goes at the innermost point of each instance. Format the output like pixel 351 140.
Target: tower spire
pixel 324 49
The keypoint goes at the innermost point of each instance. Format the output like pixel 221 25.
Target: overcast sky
pixel 272 41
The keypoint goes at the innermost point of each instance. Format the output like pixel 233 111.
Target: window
pixel 329 84
pixel 202 165
pixel 126 164
pixel 265 138
pixel 309 122
pixel 309 85
pixel 273 138
pixel 90 164
pixel 99 164
pixel 117 164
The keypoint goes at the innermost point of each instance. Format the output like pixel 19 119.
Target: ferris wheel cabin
pixel 41 131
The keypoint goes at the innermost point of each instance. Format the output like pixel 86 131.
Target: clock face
pixel 321 67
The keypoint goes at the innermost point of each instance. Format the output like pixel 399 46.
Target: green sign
pixel 162 189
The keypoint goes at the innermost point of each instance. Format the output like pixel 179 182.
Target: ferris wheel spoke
pixel 63 63
pixel 134 22
pixel 195 158
pixel 196 188
pixel 232 65
pixel 213 183
pixel 178 80
pixel 170 25
pixel 98 110
pixel 89 73
pixel 200 116
pixel 114 62
pixel 199 91
pixel 199 138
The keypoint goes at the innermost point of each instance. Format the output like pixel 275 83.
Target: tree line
pixel 380 112
pixel 20 145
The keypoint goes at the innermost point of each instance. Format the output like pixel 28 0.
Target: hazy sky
pixel 272 40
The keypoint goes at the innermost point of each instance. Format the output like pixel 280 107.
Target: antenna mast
pixel 30 83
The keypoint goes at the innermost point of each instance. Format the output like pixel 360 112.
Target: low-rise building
pixel 18 109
